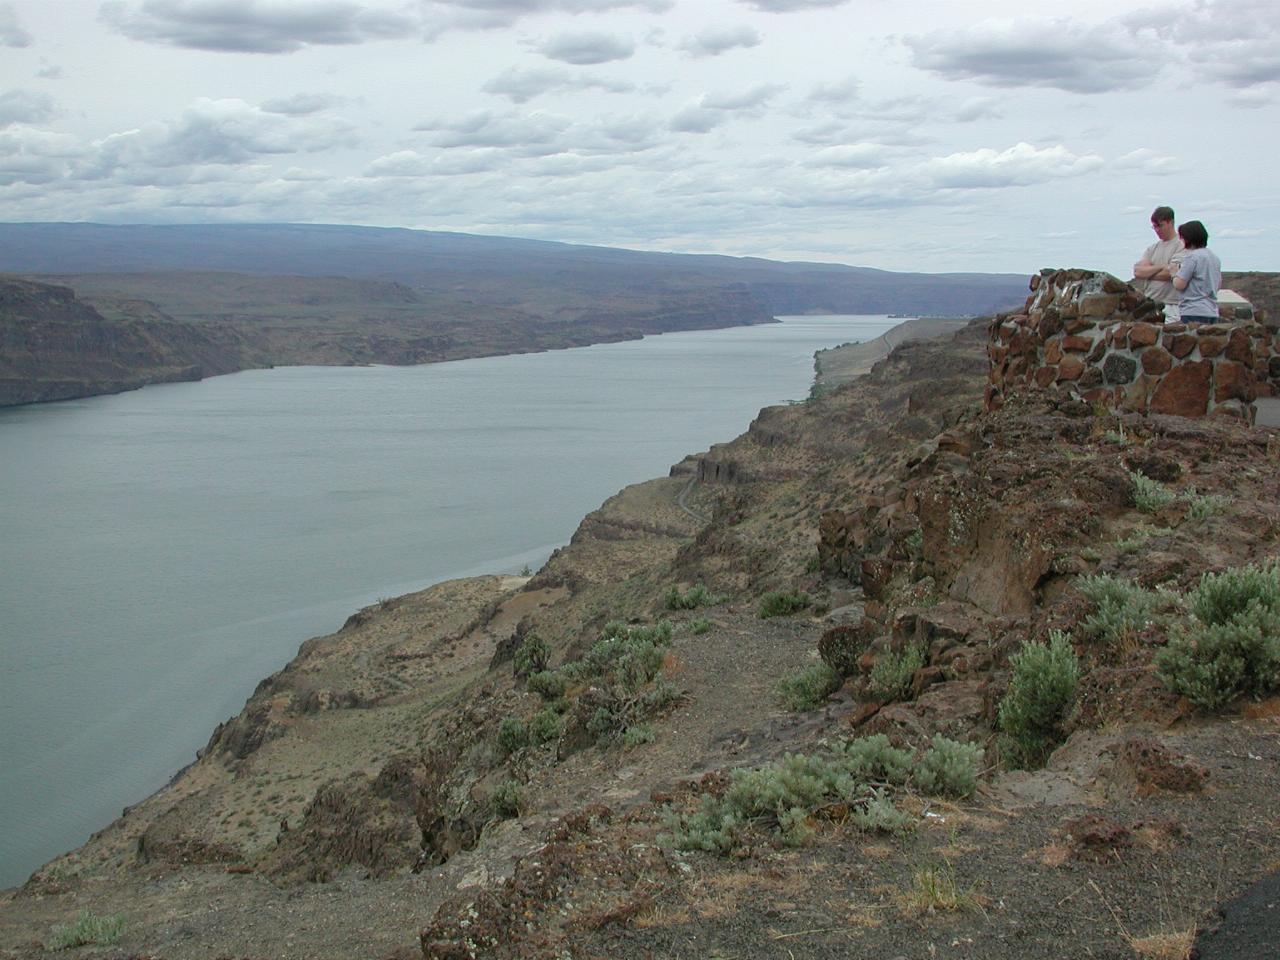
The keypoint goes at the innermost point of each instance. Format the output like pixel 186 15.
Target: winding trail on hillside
pixel 682 501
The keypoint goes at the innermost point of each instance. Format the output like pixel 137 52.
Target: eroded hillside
pixel 546 767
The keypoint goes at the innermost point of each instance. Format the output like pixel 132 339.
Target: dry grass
pixel 1163 946
pixel 934 889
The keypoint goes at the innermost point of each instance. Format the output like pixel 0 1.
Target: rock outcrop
pixel 54 346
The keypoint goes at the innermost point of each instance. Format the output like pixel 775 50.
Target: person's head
pixel 1162 222
pixel 1193 234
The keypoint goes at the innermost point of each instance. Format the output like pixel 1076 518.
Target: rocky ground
pixel 374 798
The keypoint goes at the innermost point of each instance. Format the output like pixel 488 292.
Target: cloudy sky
pixel 930 135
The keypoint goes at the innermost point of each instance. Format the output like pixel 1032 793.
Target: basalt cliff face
pixel 54 346
pixel 541 767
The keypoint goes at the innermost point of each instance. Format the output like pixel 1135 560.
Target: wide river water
pixel 164 550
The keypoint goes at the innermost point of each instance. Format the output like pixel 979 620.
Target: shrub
pixel 547 684
pixel 506 799
pixel 879 815
pixel 914 543
pixel 1041 692
pixel 892 674
pixel 1149 496
pixel 531 657
pixel 87 928
pixel 874 758
pixel 627 656
pixel 606 724
pixel 639 734
pixel 808 688
pixel 781 603
pixel 1232 644
pixel 698 596
pixel 545 726
pixel 949 767
pixel 699 626
pixel 1121 609
pixel 512 735
pixel 786 793
pixel 1202 505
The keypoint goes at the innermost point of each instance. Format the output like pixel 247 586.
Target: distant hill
pixel 274 294
pixel 528 273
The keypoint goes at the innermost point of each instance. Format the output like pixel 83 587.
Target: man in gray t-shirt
pixel 1154 273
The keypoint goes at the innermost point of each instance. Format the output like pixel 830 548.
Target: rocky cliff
pixel 54 346
pixel 759 708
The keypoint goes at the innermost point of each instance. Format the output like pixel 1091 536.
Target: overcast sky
pixel 928 135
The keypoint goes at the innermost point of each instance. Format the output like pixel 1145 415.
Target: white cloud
pixel 1019 165
pixel 587 48
pixel 1060 53
pixel 978 108
pixel 1149 161
pixel 534 134
pixel 23 106
pixel 301 104
pixel 255 26
pixel 715 40
pixel 521 86
pixel 1236 42
pixel 746 99
pixel 11 32
pixel 863 156
pixel 839 91
pixel 790 6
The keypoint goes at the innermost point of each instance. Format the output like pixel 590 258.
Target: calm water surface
pixel 164 550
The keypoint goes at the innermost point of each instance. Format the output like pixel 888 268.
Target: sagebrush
pixel 1041 693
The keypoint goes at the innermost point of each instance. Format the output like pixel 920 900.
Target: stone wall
pixel 1093 336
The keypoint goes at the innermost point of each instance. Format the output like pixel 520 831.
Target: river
pixel 163 550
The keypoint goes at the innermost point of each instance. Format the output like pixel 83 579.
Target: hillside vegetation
pixel 887 675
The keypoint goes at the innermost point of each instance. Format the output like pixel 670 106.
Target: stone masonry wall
pixel 1091 335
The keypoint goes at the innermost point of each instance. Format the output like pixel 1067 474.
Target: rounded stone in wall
pixel 1119 369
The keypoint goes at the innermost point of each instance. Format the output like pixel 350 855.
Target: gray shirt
pixel 1203 273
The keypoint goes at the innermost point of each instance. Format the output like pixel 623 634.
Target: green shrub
pixel 699 626
pixel 785 794
pixel 1202 505
pixel 637 735
pixel 606 724
pixel 781 603
pixel 879 815
pixel 698 596
pixel 949 767
pixel 1220 598
pixel 808 688
pixel 914 543
pixel 1041 692
pixel 532 657
pixel 87 928
pixel 545 726
pixel 1149 496
pixel 874 758
pixel 892 674
pixel 506 799
pixel 1121 609
pixel 626 656
pixel 548 684
pixel 512 735
pixel 1231 646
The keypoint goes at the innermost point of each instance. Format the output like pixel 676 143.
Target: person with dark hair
pixel 1153 274
pixel 1198 277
